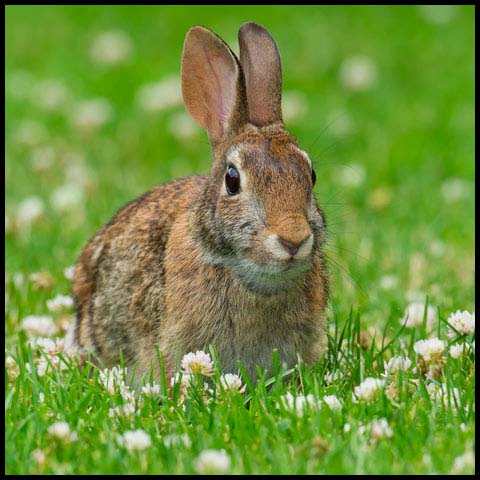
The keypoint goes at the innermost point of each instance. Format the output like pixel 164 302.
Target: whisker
pixel 325 128
pixel 345 271
pixel 353 252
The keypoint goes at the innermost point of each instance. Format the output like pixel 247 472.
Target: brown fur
pixel 186 265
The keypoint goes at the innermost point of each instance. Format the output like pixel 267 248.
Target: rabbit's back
pixel 119 277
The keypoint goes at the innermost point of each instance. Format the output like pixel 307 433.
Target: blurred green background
pixel 382 98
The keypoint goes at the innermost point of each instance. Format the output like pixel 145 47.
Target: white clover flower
pixel 437 248
pixel 41 280
pixel 162 95
pixel 430 350
pixel 464 463
pixel 69 272
pixel 182 127
pixel 111 48
pixel 39 325
pixel 39 456
pixel 61 430
pixel 397 363
pixel 50 95
pixel 367 390
pixel 213 461
pixel 294 105
pixel 362 429
pixel 151 390
pixel 333 402
pixel 347 427
pixel 459 349
pixel 462 322
pixel 60 303
pixel 186 380
pixel 76 172
pixel 438 14
pixel 48 345
pixel 358 73
pixel 332 377
pixel 127 410
pixel 199 362
pixel 300 403
pixel 113 378
pixel 43 159
pixel 30 134
pixel 388 282
pixel 42 364
pixel 12 367
pixel 454 189
pixel 67 197
pixel 128 395
pixel 182 440
pixel 413 316
pixel 134 440
pixel 415 296
pixel 92 114
pixel 231 381
pixel 18 280
pixel 352 175
pixel 441 394
pixel 29 211
pixel 380 429
pixel 41 367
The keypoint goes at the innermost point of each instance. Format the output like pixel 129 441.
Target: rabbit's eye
pixel 314 177
pixel 232 180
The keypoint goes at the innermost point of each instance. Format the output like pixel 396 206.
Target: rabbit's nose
pixel 292 246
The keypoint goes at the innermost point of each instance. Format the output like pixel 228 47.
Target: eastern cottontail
pixel 233 259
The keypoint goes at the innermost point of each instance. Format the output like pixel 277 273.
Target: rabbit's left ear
pixel 261 66
pixel 212 84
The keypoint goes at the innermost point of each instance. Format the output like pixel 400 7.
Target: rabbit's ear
pixel 212 83
pixel 261 66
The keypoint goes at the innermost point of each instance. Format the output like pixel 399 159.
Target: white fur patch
pixel 305 248
pixel 233 157
pixel 274 247
pixel 97 252
pixel 305 156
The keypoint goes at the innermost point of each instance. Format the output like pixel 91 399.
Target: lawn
pixel 383 100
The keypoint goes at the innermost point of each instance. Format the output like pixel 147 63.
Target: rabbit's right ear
pixel 212 83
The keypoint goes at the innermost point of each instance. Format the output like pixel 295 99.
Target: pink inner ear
pixel 210 83
pixel 219 111
pixel 220 93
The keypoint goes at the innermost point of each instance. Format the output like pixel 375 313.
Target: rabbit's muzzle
pixel 289 239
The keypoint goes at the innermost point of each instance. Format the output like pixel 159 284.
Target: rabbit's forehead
pixel 267 172
pixel 249 156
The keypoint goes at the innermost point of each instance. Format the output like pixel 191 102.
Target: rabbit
pixel 233 259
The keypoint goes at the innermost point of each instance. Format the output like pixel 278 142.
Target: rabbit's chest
pixel 244 327
pixel 208 305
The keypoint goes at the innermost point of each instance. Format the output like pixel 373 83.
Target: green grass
pixel 411 218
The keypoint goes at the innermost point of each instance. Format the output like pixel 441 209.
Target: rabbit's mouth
pixel 266 273
pixel 270 277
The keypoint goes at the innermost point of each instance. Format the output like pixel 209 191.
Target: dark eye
pixel 314 177
pixel 232 180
